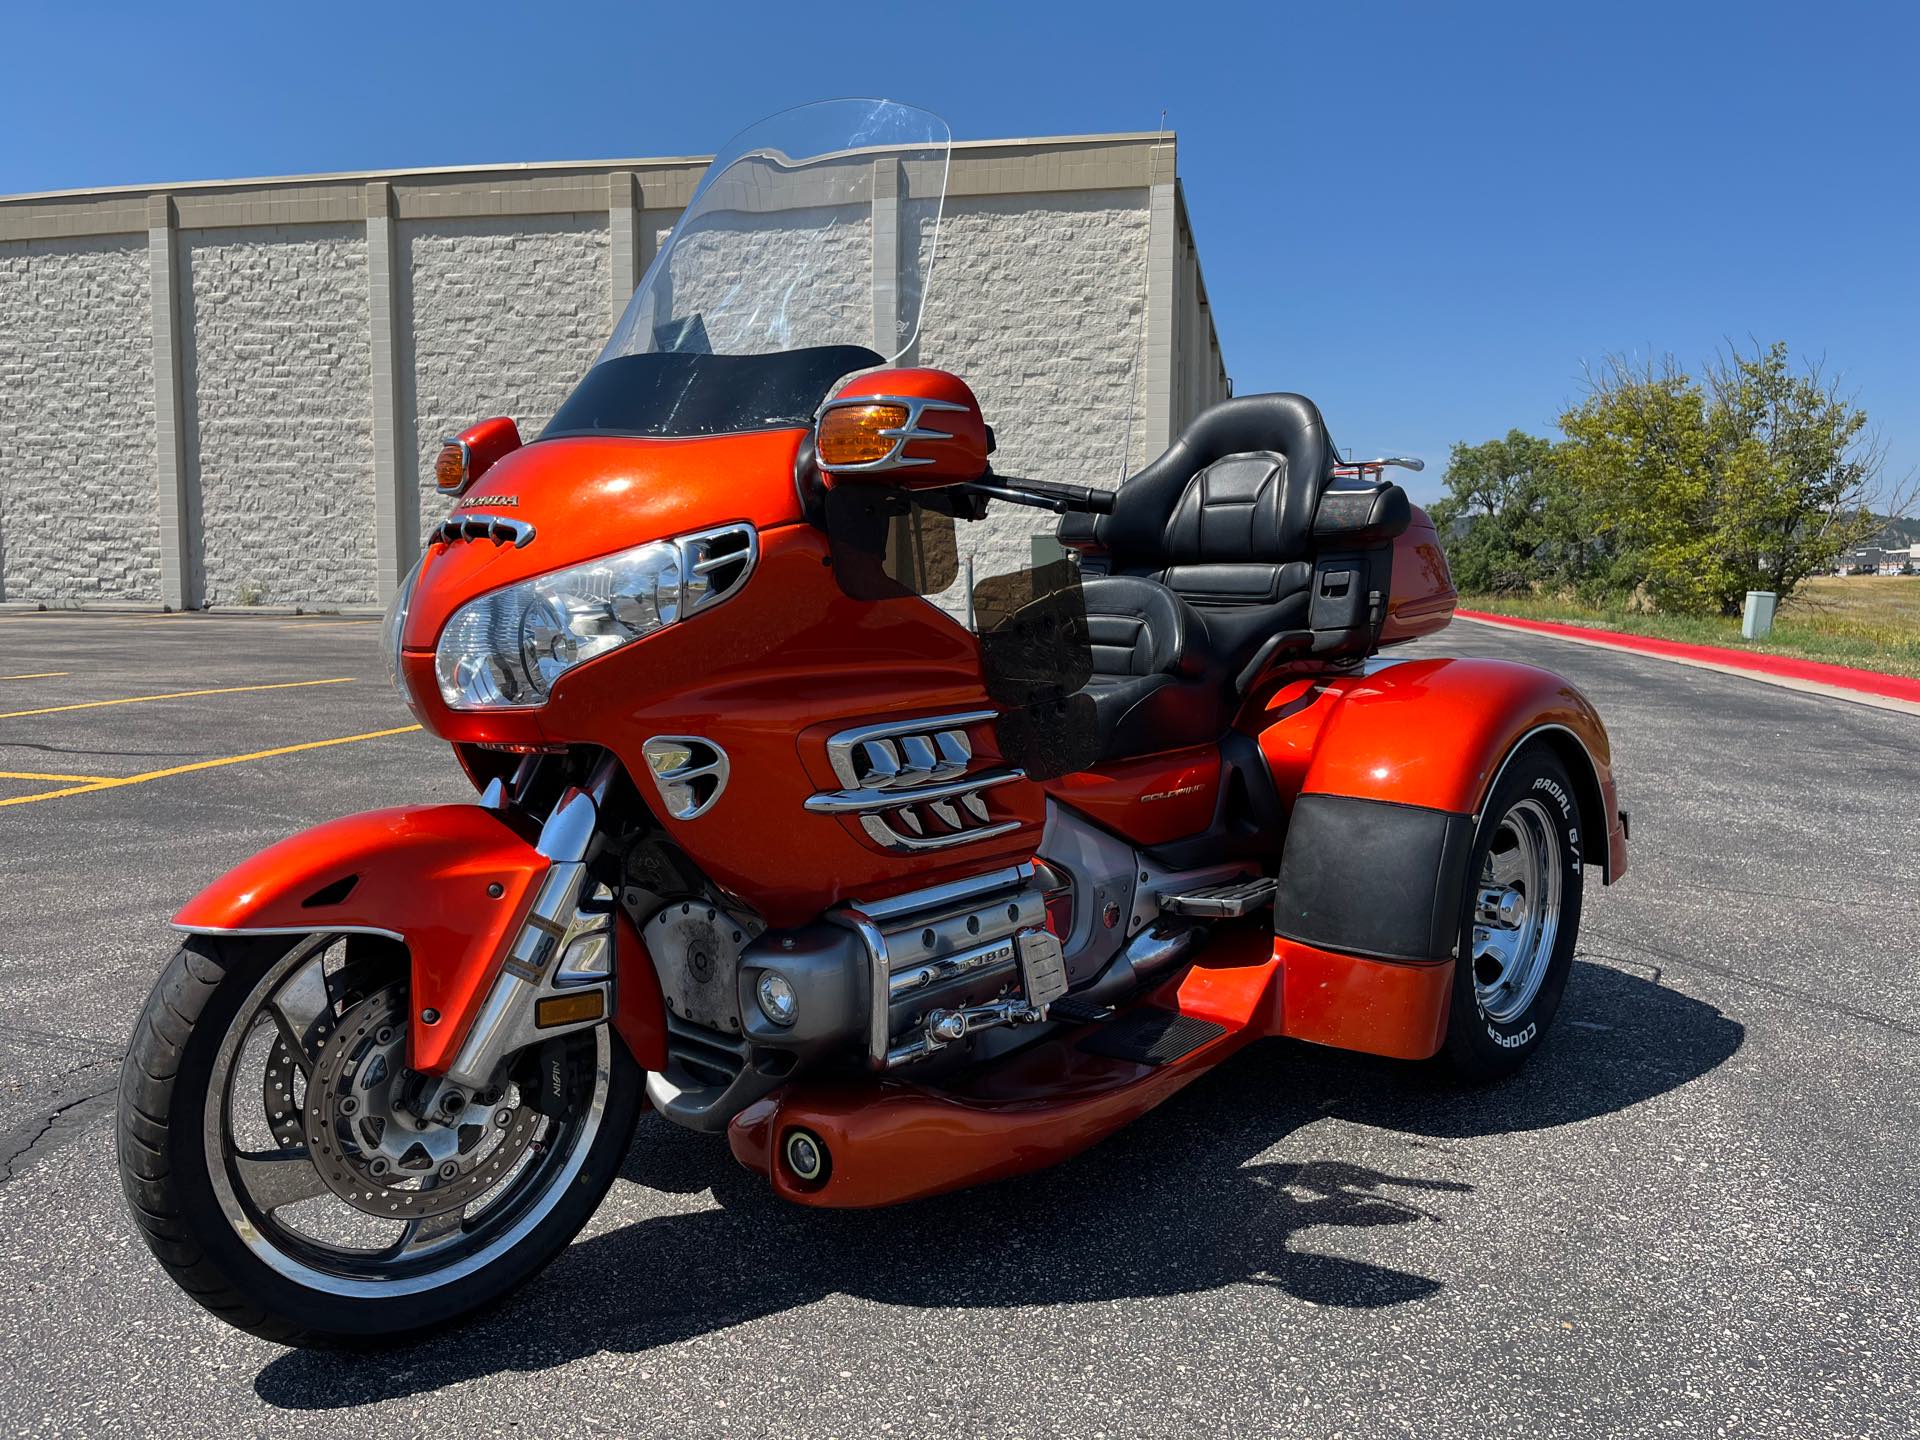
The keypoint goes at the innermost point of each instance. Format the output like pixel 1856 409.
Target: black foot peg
pixel 1078 1012
pixel 1224 902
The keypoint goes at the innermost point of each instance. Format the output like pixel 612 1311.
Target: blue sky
pixel 1429 217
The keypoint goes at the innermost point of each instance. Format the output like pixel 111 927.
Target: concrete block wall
pixel 498 316
pixel 231 394
pixel 1038 302
pixel 79 514
pixel 275 355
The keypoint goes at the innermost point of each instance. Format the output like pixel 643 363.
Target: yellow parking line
pixel 173 695
pixel 42 775
pixel 117 783
pixel 38 675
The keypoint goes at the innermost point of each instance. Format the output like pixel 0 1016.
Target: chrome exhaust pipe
pixel 1148 957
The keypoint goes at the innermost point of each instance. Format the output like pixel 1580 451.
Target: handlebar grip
pixel 1080 497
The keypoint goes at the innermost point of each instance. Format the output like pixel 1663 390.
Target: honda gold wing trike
pixel 801 822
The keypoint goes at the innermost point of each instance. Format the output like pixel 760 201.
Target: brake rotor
pixel 282 1107
pixel 375 1154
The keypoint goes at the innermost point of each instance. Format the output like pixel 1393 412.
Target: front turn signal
pixel 450 470
pixel 858 434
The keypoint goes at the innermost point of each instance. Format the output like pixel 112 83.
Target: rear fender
pixel 1434 734
pixel 1388 773
pixel 451 882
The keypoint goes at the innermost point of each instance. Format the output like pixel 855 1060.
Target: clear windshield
pixel 816 227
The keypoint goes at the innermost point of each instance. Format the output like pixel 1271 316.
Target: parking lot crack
pixel 89 1097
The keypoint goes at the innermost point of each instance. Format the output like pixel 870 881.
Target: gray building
pixel 230 393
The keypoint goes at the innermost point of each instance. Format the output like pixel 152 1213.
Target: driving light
pixel 859 434
pixel 777 1000
pixel 505 650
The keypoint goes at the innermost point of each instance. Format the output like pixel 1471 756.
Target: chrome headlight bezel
pixel 506 649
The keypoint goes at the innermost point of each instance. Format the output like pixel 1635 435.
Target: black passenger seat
pixel 1210 563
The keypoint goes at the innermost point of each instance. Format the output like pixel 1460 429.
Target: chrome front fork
pixel 558 973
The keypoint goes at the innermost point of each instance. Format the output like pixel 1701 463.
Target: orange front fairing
pixel 586 498
pixel 768 675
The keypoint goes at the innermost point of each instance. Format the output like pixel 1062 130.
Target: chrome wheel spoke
pixel 1508 867
pixel 298 1007
pixel 431 1232
pixel 283 1177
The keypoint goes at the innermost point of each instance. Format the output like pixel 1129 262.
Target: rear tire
pixel 1520 917
pixel 167 1085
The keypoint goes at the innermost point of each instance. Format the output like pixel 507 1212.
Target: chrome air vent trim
pixel 869 757
pixel 911 784
pixel 688 786
pixel 843 802
pixel 500 529
pixel 706 559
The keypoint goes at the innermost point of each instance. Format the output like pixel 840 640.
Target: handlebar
pixel 1045 494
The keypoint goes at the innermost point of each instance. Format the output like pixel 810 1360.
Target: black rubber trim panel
pixel 1369 877
pixel 1151 1036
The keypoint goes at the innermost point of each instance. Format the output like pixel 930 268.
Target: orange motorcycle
pixel 783 828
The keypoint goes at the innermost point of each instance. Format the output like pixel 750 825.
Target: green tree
pixel 1794 470
pixel 1637 454
pixel 1752 480
pixel 1504 515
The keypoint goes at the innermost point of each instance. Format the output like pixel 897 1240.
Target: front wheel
pixel 273 1149
pixel 1520 917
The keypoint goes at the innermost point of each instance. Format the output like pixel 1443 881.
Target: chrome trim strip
pixel 885 835
pixel 316 929
pixel 854 802
pixel 952 891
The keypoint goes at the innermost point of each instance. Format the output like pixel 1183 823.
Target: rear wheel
pixel 1520 917
pixel 298 1181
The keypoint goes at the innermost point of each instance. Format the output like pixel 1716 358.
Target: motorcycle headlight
pixel 504 650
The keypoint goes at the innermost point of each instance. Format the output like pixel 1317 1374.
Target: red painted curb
pixel 1842 677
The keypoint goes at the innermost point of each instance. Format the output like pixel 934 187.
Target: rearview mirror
pixel 465 457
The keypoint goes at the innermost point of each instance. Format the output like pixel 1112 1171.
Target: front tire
pixel 254 1186
pixel 1520 917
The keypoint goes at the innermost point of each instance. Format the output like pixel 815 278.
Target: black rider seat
pixel 1209 556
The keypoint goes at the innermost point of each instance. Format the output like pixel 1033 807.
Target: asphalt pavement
pixel 1695 1213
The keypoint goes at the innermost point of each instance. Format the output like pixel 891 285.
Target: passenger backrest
pixel 1225 516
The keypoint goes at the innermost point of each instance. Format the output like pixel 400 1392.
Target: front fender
pixel 451 882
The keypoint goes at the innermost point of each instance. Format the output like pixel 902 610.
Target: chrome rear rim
pixel 326 1177
pixel 1516 915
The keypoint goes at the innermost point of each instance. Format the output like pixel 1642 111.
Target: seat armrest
pixel 1362 515
pixel 1078 530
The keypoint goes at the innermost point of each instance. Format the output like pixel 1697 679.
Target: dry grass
pixel 1867 621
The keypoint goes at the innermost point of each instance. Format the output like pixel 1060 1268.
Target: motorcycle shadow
pixel 1178 1203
